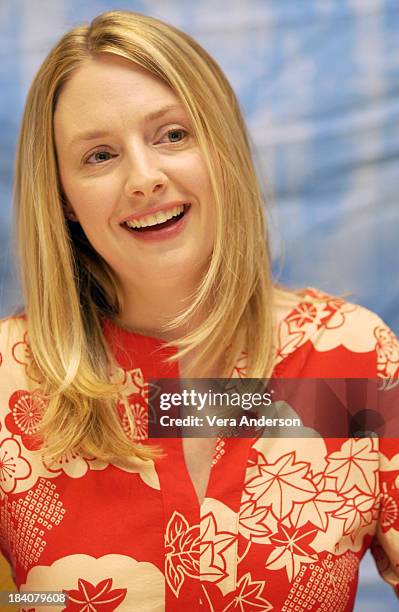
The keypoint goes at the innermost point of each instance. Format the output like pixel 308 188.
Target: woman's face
pixel 127 154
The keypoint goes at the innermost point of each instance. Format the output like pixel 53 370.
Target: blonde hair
pixel 69 288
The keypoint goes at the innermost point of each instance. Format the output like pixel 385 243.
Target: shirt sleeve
pixel 385 544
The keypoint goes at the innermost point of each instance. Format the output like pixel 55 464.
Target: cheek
pixel 191 169
pixel 203 188
pixel 92 201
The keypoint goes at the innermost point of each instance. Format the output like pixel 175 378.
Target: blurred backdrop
pixel 318 82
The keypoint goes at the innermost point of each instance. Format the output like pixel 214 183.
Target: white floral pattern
pixel 13 466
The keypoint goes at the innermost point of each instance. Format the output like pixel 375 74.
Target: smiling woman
pixel 143 255
pixel 141 160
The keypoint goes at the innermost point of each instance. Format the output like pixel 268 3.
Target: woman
pixel 143 255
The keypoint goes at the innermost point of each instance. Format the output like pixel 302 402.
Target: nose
pixel 144 175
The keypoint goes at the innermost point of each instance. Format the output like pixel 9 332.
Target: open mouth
pixel 155 223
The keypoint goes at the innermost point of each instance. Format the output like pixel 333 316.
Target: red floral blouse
pixel 284 522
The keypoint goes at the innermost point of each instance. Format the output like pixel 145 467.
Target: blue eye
pixel 99 157
pixel 174 132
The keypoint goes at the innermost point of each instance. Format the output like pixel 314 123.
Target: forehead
pixel 112 88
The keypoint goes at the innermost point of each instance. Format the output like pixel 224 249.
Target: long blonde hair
pixel 69 288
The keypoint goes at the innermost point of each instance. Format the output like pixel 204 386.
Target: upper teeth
pixel 159 217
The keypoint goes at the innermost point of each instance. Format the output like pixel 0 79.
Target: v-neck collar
pixel 134 350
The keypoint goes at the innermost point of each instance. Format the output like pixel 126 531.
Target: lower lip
pixel 162 234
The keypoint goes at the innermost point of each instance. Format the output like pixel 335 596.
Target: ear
pixel 67 208
pixel 70 215
pixel 68 211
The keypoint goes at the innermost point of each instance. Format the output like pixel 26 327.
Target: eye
pixel 99 157
pixel 174 135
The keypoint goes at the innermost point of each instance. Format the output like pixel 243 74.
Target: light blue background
pixel 318 81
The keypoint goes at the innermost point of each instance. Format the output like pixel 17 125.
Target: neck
pixel 148 308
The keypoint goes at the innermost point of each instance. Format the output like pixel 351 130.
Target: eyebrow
pixel 91 135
